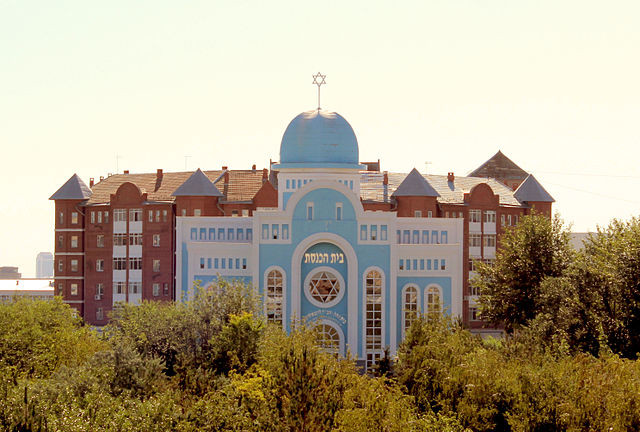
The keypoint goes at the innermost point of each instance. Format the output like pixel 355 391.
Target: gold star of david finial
pixel 318 79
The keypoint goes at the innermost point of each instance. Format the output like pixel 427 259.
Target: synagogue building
pixel 356 251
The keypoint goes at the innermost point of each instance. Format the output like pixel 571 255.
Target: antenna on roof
pixel 426 166
pixel 318 79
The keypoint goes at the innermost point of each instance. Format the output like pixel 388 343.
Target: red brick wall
pixel 407 205
pixel 67 230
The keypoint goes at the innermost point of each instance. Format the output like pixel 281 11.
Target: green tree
pixel 535 249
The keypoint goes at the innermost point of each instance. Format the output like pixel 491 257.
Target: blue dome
pixel 317 139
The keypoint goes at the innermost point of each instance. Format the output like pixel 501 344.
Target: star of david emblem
pixel 318 79
pixel 324 287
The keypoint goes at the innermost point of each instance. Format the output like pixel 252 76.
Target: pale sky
pixel 553 84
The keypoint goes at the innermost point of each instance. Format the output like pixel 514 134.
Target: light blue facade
pixel 337 266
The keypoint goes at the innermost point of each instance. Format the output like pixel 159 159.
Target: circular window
pixel 328 338
pixel 324 287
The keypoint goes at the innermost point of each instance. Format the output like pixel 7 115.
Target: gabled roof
pixel 532 191
pixel 500 167
pixel 73 189
pixel 197 185
pixel 415 185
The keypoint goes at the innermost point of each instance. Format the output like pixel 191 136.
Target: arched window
pixel 273 297
pixel 373 326
pixel 434 301
pixel 409 307
pixel 328 338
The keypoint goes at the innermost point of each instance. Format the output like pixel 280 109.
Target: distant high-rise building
pixel 10 273
pixel 44 265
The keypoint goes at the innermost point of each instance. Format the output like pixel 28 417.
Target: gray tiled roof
pixel 74 188
pixel 373 189
pixel 532 191
pixel 197 185
pixel 499 166
pixel 414 184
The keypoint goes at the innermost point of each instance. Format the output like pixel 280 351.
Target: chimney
pixel 253 167
pixel 224 167
pixel 450 177
pixel 385 178
pixel 265 174
pixel 91 182
pixel 126 171
pixel 226 176
pixel 101 178
pixel 159 173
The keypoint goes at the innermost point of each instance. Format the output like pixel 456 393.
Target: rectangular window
pixel 434 237
pixel 502 221
pixel 265 231
pixel 93 217
pixel 363 232
pixel 135 239
pixel 285 231
pixel 244 263
pixel 156 265
pixel 415 264
pixel 74 241
pixel 194 233
pixel 119 215
pixel 150 215
pixel 220 234
pixel 74 218
pixel 74 289
pixel 288 184
pixel 490 216
pixel 215 263
pixel 408 263
pixel 443 264
pixel 374 232
pixel 425 237
pixel 99 265
pixel 415 238
pixel 490 240
pixel 60 265
pixel 99 291
pixel 119 239
pixel 430 214
pixel 183 212
pixel 212 234
pixel 135 215
pixel 401 266
pixel 197 212
pixel 156 289
pixel 338 211
pixel 60 241
pixel 119 263
pixel 472 265
pixel 100 216
pixel 245 212
pixel 435 264
pixel 428 264
pixel 60 289
pixel 164 215
pixel 398 236
pixel 74 265
pixel 230 232
pixel 406 237
pixel 446 214
pixel 157 215
pixel 240 235
pixel 443 237
pixel 165 288
pixel 474 314
pixel 100 240
pixel 475 240
pixel 106 217
pixel 383 232
pixel 156 240
pixel 421 264
pixel 61 218
pixel 135 263
pixel 274 231
pixel 515 219
pixel 223 263
pixel 135 287
pixel 475 216
pixel 202 263
pixel 417 213
pixel 119 287
pixel 208 263
pixel 249 234
pixel 203 233
pixel 310 211
pixel 237 263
